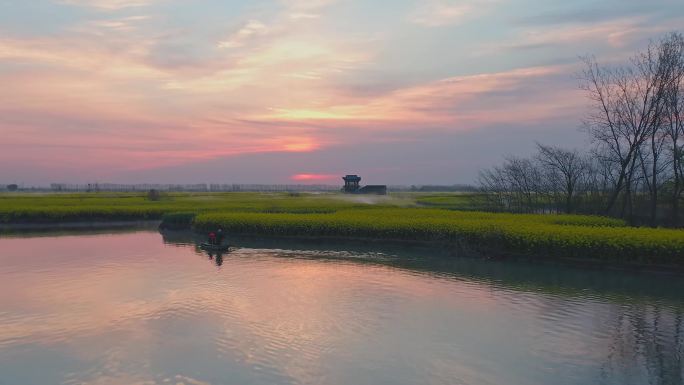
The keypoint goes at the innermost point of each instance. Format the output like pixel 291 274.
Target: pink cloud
pixel 438 13
pixel 96 92
pixel 109 5
pixel 457 103
pixel 314 177
pixel 60 119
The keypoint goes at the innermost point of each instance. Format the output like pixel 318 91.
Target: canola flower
pixel 330 215
pixel 566 236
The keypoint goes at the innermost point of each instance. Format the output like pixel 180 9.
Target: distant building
pixel 352 186
pixel 378 189
pixel 351 183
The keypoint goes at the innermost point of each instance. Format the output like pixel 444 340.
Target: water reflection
pixel 216 257
pixel 414 258
pixel 129 308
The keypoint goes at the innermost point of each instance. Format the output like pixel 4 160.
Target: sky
pixel 301 91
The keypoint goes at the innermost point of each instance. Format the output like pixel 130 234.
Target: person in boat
pixel 212 238
pixel 219 236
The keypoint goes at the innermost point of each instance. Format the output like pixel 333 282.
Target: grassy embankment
pixel 566 236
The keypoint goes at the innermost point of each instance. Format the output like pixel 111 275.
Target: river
pixel 136 307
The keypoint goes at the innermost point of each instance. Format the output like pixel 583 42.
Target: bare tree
pixel 567 168
pixel 636 122
pixel 672 52
pixel 627 107
pixel 492 184
pixel 518 185
pixel 662 61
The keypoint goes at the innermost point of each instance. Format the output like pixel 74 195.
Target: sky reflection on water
pixel 128 308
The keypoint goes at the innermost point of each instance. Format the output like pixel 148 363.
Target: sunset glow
pixel 314 177
pixel 143 86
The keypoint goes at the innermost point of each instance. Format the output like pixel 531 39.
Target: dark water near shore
pixel 139 308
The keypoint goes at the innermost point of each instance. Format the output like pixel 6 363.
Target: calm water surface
pixel 135 308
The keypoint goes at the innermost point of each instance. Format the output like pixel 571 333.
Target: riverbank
pixel 97 225
pixel 573 237
pixel 393 218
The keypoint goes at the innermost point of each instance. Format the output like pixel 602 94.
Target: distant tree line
pixel 203 187
pixel 634 169
pixel 198 187
pixel 437 188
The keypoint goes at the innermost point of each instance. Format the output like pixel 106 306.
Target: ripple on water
pixel 128 309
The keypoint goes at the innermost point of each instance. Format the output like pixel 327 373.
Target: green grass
pixel 394 218
pixel 451 201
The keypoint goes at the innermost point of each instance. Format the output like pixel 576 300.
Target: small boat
pixel 215 248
